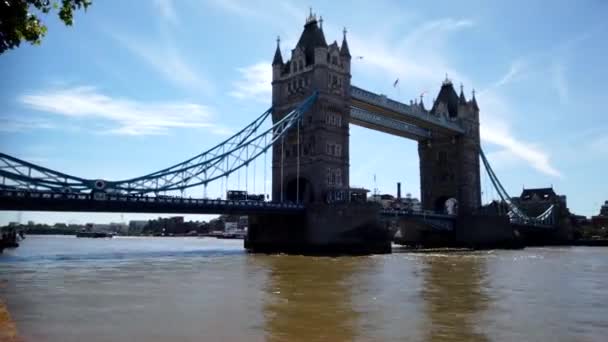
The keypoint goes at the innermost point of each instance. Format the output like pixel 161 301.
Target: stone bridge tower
pixel 324 130
pixel 449 165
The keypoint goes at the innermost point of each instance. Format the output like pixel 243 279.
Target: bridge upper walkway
pixel 377 111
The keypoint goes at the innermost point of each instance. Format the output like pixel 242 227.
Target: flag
pixel 396 82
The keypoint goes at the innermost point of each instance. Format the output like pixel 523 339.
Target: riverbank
pixel 8 329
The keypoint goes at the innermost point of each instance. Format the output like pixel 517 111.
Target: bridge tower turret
pixel 449 164
pixel 324 130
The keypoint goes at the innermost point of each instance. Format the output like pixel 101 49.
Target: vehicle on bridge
pixel 240 195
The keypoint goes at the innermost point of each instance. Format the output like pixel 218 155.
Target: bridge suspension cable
pixel 516 215
pixel 220 161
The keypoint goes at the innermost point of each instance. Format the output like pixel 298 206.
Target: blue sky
pixel 136 86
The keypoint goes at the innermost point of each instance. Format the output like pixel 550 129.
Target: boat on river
pixel 86 234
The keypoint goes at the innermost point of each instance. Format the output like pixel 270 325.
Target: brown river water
pixel 202 289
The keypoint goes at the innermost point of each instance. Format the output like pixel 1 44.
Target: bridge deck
pixel 46 201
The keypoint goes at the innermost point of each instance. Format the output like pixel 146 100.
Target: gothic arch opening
pixel 446 205
pixel 440 204
pixel 305 191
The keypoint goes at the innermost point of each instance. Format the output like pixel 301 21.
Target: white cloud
pixel 436 29
pixel 559 81
pixel 241 8
pixel 167 10
pixel 600 146
pixel 12 124
pixel 515 70
pixel 255 82
pixel 532 155
pixel 424 66
pixel 415 59
pixel 496 130
pixel 419 59
pixel 167 61
pixel 125 116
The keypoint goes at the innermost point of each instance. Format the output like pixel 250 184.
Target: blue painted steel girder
pixel 411 114
pixel 376 121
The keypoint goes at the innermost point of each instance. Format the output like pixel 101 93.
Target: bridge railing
pixel 411 212
pixel 49 196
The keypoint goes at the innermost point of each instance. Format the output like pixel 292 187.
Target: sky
pixel 137 86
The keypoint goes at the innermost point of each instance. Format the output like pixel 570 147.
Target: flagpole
pixel 396 85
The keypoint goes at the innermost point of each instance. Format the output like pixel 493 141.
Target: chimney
pixel 398 190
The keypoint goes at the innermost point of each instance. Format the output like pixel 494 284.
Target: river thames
pixel 202 289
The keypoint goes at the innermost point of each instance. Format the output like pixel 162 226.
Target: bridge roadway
pixel 434 220
pixel 53 201
pixel 56 201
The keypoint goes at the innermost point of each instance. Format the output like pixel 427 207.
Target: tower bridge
pixel 313 105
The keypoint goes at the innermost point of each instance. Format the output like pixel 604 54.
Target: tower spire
pixel 474 101
pixel 461 98
pixel 447 80
pixel 278 58
pixel 312 18
pixel 344 50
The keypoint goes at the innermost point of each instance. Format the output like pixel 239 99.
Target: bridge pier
pixel 486 232
pixel 469 231
pixel 349 228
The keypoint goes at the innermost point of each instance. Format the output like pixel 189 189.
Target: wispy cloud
pixel 254 83
pixel 496 129
pixel 12 124
pixel 515 70
pixel 560 84
pixel 167 11
pixel 166 60
pixel 599 146
pixel 162 55
pixel 242 8
pixel 420 57
pixel 424 66
pixel 436 29
pixel 530 154
pixel 416 56
pixel 123 116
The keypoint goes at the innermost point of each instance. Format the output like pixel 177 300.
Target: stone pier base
pixel 470 231
pixel 485 232
pixel 323 230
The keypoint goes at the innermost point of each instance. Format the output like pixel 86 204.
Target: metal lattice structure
pixel 516 215
pixel 234 153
